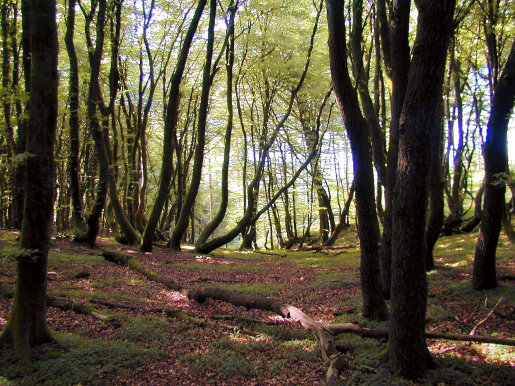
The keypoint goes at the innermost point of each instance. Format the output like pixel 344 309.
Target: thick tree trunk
pixel 27 323
pixel 172 112
pixel 357 130
pixel 408 354
pixel 496 157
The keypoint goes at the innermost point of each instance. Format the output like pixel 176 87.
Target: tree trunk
pixel 198 156
pixel 220 214
pixel 436 188
pixel 73 163
pixel 357 130
pixel 27 323
pixel 342 223
pixel 400 64
pixel 408 353
pixel 172 112
pixel 496 157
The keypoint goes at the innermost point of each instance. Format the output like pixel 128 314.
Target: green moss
pixel 228 362
pixel 146 330
pixel 265 289
pixel 437 313
pixel 85 361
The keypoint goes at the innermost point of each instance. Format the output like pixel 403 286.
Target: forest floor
pixel 218 343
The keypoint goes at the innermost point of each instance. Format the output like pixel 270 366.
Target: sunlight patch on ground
pixel 174 296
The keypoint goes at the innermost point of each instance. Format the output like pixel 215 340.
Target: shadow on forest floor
pixel 214 343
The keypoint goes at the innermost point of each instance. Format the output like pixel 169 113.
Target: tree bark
pixel 198 156
pixel 408 353
pixel 357 130
pixel 172 112
pixel 400 64
pixel 27 326
pixel 73 163
pixel 220 214
pixel 436 187
pixel 496 158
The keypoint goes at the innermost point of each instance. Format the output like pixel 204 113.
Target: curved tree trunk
pixel 220 214
pixel 198 156
pixel 374 306
pixel 496 157
pixel 172 112
pixel 408 353
pixel 27 323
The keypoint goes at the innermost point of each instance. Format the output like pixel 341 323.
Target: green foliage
pixel 84 361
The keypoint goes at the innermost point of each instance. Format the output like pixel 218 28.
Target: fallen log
pixel 324 333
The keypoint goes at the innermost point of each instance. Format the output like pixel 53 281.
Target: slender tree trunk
pixel 21 144
pixel 220 214
pixel 27 326
pixel 73 163
pixel 408 353
pixel 496 157
pixel 357 130
pixel 198 156
pixel 172 112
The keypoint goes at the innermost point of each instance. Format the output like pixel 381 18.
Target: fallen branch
pixel 382 333
pixel 472 332
pixel 66 304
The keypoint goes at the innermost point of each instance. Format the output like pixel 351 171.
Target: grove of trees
pixel 259 124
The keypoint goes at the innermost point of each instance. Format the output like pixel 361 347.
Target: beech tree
pixel 27 326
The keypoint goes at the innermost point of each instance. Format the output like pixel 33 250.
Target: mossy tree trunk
pixel 27 323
